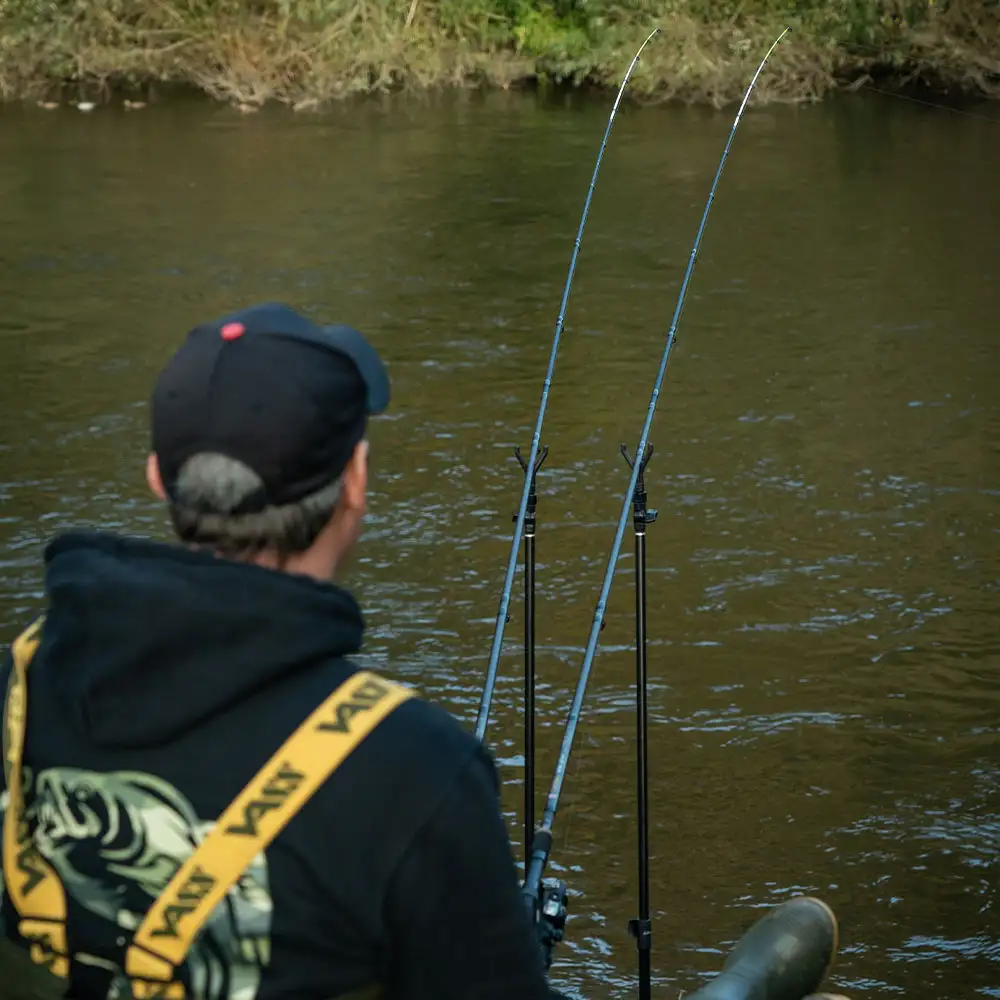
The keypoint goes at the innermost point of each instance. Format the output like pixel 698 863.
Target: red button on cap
pixel 232 330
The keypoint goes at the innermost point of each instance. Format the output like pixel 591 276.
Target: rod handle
pixel 784 956
pixel 541 847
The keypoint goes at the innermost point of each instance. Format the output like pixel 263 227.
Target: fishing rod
pixel 544 901
pixel 528 464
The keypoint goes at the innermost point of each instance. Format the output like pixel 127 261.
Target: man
pixel 164 680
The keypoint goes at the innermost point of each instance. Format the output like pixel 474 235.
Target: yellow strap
pixel 288 780
pixel 258 814
pixel 33 886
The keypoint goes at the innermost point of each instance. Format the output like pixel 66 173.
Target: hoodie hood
pixel 149 640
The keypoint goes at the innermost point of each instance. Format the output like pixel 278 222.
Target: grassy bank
pixel 306 52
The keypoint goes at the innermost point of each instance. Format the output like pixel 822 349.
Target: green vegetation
pixel 305 52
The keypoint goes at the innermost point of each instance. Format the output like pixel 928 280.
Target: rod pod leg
pixel 641 927
pixel 530 526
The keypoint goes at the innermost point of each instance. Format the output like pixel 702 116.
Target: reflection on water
pixel 823 582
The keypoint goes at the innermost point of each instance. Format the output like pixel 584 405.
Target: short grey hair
pixel 211 486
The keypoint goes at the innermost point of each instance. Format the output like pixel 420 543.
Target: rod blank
pixel 491 670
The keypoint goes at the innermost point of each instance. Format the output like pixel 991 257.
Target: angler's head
pixel 258 438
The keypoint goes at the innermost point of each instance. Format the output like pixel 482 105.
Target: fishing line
pixel 930 104
pixel 542 842
pixel 879 54
pixel 530 463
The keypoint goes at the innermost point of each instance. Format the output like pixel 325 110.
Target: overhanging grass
pixel 307 52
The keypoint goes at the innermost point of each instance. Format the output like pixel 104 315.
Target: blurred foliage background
pixel 305 52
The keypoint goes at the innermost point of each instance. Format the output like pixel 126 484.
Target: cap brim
pixel 353 343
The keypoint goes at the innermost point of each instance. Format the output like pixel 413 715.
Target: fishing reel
pixel 550 919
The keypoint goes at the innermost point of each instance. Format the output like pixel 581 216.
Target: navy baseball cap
pixel 270 388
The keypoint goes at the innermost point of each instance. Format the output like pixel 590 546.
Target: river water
pixel 823 577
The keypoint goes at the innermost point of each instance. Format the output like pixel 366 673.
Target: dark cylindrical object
pixel 529 687
pixel 642 928
pixel 784 956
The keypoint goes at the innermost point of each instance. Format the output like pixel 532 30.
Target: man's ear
pixel 354 481
pixel 153 476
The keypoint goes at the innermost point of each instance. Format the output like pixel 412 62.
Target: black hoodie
pixel 164 680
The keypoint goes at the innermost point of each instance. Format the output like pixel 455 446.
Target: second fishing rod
pixel 537 898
